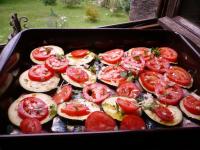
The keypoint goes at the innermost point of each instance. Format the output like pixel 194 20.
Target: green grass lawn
pixel 39 14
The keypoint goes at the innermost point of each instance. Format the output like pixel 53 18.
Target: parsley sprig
pixel 155 52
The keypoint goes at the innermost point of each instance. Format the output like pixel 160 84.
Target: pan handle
pixel 8 50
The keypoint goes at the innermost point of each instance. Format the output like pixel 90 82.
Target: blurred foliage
pixel 49 2
pixel 91 12
pixel 70 3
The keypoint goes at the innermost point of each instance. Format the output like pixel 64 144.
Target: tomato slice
pixel 132 122
pixel 128 107
pixel 128 89
pixel 96 92
pixel 163 113
pixel 141 52
pixel 77 74
pixel 134 64
pixel 168 53
pixel 168 93
pixel 149 80
pixel 113 74
pixel 113 56
pixel 39 73
pixel 192 104
pixel 99 121
pixel 158 64
pixel 57 63
pixel 75 109
pixel 32 107
pixel 63 95
pixel 30 125
pixel 179 76
pixel 42 53
pixel 80 53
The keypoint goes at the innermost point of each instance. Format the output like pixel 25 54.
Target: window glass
pixel 74 13
pixel 190 9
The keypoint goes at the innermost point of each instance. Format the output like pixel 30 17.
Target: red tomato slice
pixel 168 93
pixel 80 53
pixel 134 64
pixel 141 52
pixel 149 80
pixel 192 104
pixel 113 56
pixel 77 74
pixel 96 92
pixel 132 122
pixel 128 107
pixel 168 53
pixel 57 63
pixel 42 53
pixel 128 89
pixel 32 107
pixel 63 95
pixel 99 121
pixel 30 125
pixel 113 74
pixel 158 64
pixel 163 113
pixel 179 76
pixel 39 73
pixel 75 109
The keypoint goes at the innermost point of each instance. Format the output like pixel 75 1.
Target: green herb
pixel 124 74
pixel 117 107
pixel 53 110
pixel 92 69
pixel 155 51
pixel 48 49
pixel 151 106
pixel 140 98
pixel 137 58
pixel 59 56
pixel 97 58
pixel 130 78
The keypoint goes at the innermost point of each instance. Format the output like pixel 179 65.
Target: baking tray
pixel 97 40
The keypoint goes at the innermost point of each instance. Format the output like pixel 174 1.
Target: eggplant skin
pixel 37 86
pixel 187 113
pixel 13 109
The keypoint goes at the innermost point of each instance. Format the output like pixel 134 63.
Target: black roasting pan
pixel 98 40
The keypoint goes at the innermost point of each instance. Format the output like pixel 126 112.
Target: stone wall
pixel 143 9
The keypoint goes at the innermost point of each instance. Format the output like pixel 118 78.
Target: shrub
pixel 49 2
pixel 125 5
pixel 92 13
pixel 70 3
pixel 116 5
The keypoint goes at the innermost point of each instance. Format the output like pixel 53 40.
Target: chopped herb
pixel 92 69
pixel 155 51
pixel 124 74
pixel 59 56
pixel 137 58
pixel 140 98
pixel 48 49
pixel 97 58
pixel 130 78
pixel 117 107
pixel 53 110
